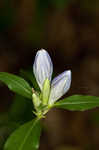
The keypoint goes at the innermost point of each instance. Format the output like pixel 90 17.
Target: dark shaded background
pixel 69 30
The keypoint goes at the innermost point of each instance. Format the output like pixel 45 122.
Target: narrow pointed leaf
pixel 78 103
pixel 16 84
pixel 25 137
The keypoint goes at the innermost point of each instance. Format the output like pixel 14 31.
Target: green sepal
pixel 46 92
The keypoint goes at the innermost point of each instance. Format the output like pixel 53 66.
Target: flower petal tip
pixel 68 73
pixel 41 51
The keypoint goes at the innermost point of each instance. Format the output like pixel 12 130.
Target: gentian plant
pixel 51 91
pixel 27 136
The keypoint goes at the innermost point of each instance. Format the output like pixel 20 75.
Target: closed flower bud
pixel 60 85
pixel 42 67
pixel 36 101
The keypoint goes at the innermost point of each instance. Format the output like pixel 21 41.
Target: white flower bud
pixel 42 67
pixel 60 85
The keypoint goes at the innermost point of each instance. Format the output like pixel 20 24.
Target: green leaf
pixel 78 103
pixel 16 84
pixel 25 137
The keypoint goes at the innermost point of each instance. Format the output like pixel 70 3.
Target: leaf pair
pixel 26 136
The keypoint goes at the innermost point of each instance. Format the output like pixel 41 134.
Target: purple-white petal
pixel 42 67
pixel 60 85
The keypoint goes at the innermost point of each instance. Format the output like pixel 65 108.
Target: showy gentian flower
pixel 51 90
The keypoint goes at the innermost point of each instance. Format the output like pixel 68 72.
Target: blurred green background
pixel 69 30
